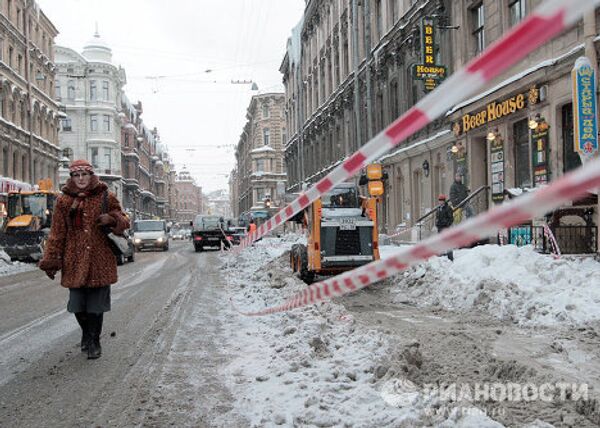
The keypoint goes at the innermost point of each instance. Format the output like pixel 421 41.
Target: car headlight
pixel 137 240
pixel 160 240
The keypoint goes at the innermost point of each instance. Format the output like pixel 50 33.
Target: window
pixel 93 122
pixel 20 64
pixel 71 90
pixel 260 194
pixel 517 11
pixel 10 56
pixel 265 111
pixel 393 10
pixel 93 90
pixel 106 122
pixel 260 165
pixel 266 136
pixel 378 18
pixel 1 49
pixel 126 140
pixel 522 160
pixel 105 90
pixel 94 157
pixel 478 20
pixel 68 153
pixel 66 124
pixel 107 161
pixel 283 136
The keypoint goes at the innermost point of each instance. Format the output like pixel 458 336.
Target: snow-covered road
pixel 444 344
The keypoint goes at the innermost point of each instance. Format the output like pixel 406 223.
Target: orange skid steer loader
pixel 342 234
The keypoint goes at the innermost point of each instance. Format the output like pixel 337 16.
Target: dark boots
pixel 95 329
pixel 83 323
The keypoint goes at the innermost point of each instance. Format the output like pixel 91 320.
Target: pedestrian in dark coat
pixel 79 248
pixel 443 214
pixel 458 193
pixel 444 218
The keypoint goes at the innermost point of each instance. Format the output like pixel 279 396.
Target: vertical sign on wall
pixel 497 165
pixel 428 71
pixel 539 159
pixel 585 119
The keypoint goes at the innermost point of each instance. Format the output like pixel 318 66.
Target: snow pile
pixel 313 366
pixel 508 282
pixel 8 267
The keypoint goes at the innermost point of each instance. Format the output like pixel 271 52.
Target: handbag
pixel 118 244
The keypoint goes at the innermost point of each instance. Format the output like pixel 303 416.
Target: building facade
pixel 189 197
pixel 148 172
pixel 29 116
pixel 260 163
pixel 351 68
pixel 89 87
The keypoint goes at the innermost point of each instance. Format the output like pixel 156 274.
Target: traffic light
pixel 268 202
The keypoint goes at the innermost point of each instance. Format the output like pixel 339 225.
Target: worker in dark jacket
pixel 444 218
pixel 443 214
pixel 458 193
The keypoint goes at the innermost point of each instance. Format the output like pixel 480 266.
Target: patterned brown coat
pixel 79 248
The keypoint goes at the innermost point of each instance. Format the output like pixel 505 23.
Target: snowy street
pixel 176 353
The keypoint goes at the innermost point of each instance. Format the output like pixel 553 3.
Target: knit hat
pixel 442 197
pixel 81 165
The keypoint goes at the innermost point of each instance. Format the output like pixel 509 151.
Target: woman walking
pixel 79 248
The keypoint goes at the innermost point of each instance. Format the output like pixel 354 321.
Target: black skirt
pixel 89 299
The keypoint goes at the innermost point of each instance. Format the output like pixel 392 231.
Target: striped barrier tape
pixel 545 22
pixel 564 189
pixel 553 243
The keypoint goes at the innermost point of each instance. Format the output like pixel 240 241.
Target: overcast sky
pixel 166 48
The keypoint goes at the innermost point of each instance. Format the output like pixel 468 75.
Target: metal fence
pixel 570 239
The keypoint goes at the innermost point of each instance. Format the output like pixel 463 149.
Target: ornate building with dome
pixel 89 87
pixel 105 127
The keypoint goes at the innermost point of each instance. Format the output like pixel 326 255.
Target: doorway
pixel 478 164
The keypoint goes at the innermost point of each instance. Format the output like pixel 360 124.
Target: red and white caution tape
pixel 552 239
pixel 566 188
pixel 545 22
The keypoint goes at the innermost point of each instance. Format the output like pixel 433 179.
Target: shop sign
pixel 539 144
pixel 497 166
pixel 429 71
pixel 585 119
pixel 494 111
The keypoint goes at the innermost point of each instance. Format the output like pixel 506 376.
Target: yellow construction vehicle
pixel 342 234
pixel 28 220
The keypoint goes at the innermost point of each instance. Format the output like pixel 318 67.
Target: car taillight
pixel 197 238
pixel 229 238
pixel 375 245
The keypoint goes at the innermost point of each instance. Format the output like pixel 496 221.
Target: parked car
pixel 130 254
pixel 152 234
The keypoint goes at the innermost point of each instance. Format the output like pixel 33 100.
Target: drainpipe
pixel 356 81
pixel 29 91
pixel 367 31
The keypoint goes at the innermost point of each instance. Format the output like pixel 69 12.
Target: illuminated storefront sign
pixel 494 111
pixel 429 72
pixel 585 119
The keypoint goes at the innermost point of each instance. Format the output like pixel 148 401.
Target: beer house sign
pixel 494 111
